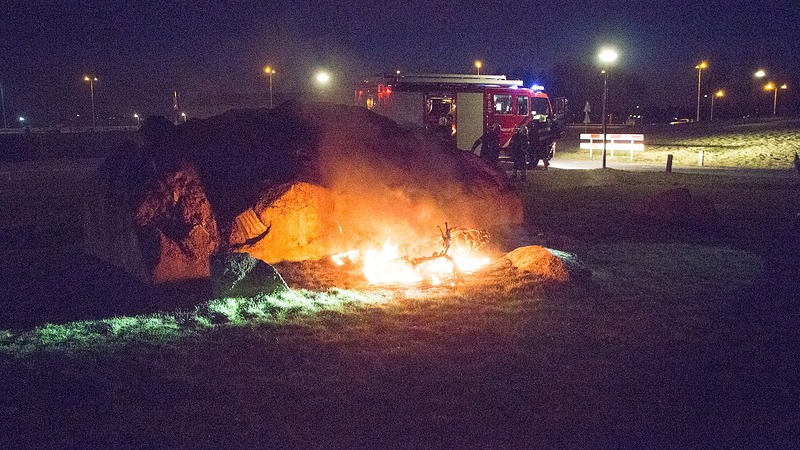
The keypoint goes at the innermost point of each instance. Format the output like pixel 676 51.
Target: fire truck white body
pixel 459 107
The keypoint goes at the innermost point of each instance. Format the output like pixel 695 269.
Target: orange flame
pixel 387 266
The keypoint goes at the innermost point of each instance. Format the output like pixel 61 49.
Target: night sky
pixel 213 52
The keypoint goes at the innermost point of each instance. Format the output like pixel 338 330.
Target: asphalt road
pixel 76 169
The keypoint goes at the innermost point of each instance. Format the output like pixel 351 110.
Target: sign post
pixel 586 120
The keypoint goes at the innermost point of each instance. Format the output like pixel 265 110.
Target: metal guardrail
pixel 627 142
pixel 46 130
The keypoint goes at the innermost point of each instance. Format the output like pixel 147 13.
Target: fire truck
pixel 459 108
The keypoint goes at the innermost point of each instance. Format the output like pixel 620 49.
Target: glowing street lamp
pixel 774 87
pixel 91 81
pixel 720 93
pixel 322 78
pixel 183 114
pixel 760 73
pixel 270 71
pixel 478 66
pixel 136 116
pixel 607 57
pixel 699 67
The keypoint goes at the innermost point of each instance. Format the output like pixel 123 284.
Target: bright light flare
pixel 702 65
pixel 322 77
pixel 345 257
pixel 608 55
pixel 385 266
pixel 760 74
pixel 388 266
pixel 720 93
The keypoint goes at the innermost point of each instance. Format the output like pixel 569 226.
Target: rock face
pixel 677 207
pixel 548 264
pixel 294 183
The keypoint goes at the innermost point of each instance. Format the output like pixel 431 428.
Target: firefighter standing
pixel 490 145
pixel 541 139
pixel 519 151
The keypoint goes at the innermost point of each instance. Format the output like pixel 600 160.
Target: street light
pixel 699 67
pixel 91 81
pixel 760 73
pixel 774 87
pixel 478 66
pixel 270 71
pixel 183 114
pixel 136 116
pixel 720 93
pixel 607 56
pixel 323 78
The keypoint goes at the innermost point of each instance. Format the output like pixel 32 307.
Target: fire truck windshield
pixel 540 108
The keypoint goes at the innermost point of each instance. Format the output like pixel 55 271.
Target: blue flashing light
pixel 537 88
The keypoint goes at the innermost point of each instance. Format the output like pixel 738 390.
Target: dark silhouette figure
pixel 541 139
pixel 490 145
pixel 519 153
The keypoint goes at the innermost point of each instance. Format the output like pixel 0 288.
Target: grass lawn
pixel 682 339
pixel 765 144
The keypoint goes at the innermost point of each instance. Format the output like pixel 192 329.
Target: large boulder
pixel 159 229
pixel 297 182
pixel 677 206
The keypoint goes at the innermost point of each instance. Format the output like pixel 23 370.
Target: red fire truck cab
pixel 460 107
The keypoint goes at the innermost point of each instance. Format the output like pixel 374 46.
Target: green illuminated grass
pixel 165 328
pixel 622 271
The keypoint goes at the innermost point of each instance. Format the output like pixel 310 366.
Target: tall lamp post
pixel 607 57
pixel 720 93
pixel 699 68
pixel 3 102
pixel 774 87
pixel 270 71
pixel 760 73
pixel 91 81
pixel 478 66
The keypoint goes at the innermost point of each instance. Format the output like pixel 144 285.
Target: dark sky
pixel 214 51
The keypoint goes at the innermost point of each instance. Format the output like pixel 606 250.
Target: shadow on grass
pixel 59 285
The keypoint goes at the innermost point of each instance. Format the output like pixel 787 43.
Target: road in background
pixel 555 163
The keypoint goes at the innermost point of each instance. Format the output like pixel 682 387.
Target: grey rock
pixel 242 275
